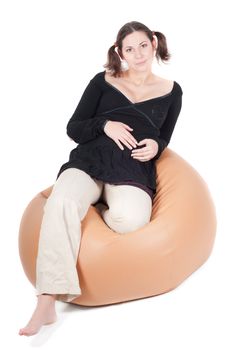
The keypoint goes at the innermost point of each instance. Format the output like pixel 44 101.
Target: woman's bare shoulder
pixel 164 82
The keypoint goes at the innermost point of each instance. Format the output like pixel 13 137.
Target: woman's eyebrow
pixel 139 44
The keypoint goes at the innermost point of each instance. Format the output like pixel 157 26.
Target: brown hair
pixel 114 63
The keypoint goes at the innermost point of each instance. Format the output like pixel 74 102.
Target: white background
pixel 49 52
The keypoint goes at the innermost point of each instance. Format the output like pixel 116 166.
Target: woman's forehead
pixel 134 39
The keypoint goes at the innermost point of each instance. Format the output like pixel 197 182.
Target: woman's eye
pixel 143 45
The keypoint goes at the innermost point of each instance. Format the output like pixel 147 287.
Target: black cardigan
pixel 97 154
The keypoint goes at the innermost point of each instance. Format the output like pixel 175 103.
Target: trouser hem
pixel 62 294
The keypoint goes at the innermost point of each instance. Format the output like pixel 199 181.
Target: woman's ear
pixel 154 44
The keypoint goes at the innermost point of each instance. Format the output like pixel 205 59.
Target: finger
pixel 142 159
pixel 119 145
pixel 143 142
pixel 129 134
pixel 126 143
pixel 141 156
pixel 140 152
pixel 131 139
pixel 129 142
pixel 127 126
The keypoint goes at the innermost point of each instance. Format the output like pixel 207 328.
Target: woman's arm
pixel 169 124
pixel 83 125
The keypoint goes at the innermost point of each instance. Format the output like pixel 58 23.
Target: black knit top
pixel 97 154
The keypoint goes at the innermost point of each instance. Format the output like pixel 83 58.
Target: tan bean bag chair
pixel 154 259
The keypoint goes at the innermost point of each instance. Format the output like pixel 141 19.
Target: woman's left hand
pixel 147 152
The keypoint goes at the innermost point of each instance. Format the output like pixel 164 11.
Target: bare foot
pixel 44 314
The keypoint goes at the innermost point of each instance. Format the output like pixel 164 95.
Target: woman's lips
pixel 141 62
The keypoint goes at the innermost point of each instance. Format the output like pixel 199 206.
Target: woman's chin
pixel 141 68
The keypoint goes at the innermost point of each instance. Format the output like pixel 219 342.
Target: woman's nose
pixel 138 54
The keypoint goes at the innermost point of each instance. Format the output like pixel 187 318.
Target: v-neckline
pixel 136 103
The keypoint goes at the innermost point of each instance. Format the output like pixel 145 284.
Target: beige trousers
pixel 128 208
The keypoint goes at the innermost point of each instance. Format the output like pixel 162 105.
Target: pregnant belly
pixel 105 159
pixel 104 148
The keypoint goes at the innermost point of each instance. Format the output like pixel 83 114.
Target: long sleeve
pixel 83 125
pixel 169 124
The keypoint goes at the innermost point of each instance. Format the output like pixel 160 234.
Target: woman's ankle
pixel 46 298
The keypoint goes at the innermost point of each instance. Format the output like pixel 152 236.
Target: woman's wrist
pixel 104 124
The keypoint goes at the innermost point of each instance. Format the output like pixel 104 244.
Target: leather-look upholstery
pixel 154 259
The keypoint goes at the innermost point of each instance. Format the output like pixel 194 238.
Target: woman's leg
pixel 60 236
pixel 129 209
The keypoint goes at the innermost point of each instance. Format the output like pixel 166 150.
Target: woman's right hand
pixel 120 133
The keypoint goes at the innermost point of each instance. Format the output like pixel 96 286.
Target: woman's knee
pixel 123 221
pixel 129 208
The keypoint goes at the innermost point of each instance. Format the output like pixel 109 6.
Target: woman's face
pixel 138 51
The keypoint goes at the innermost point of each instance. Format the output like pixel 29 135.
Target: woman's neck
pixel 138 78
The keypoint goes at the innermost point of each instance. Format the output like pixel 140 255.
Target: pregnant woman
pixel 122 123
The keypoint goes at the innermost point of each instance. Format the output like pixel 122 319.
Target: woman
pixel 123 122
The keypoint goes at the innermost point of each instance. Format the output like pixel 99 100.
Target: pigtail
pixel 113 63
pixel 162 49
